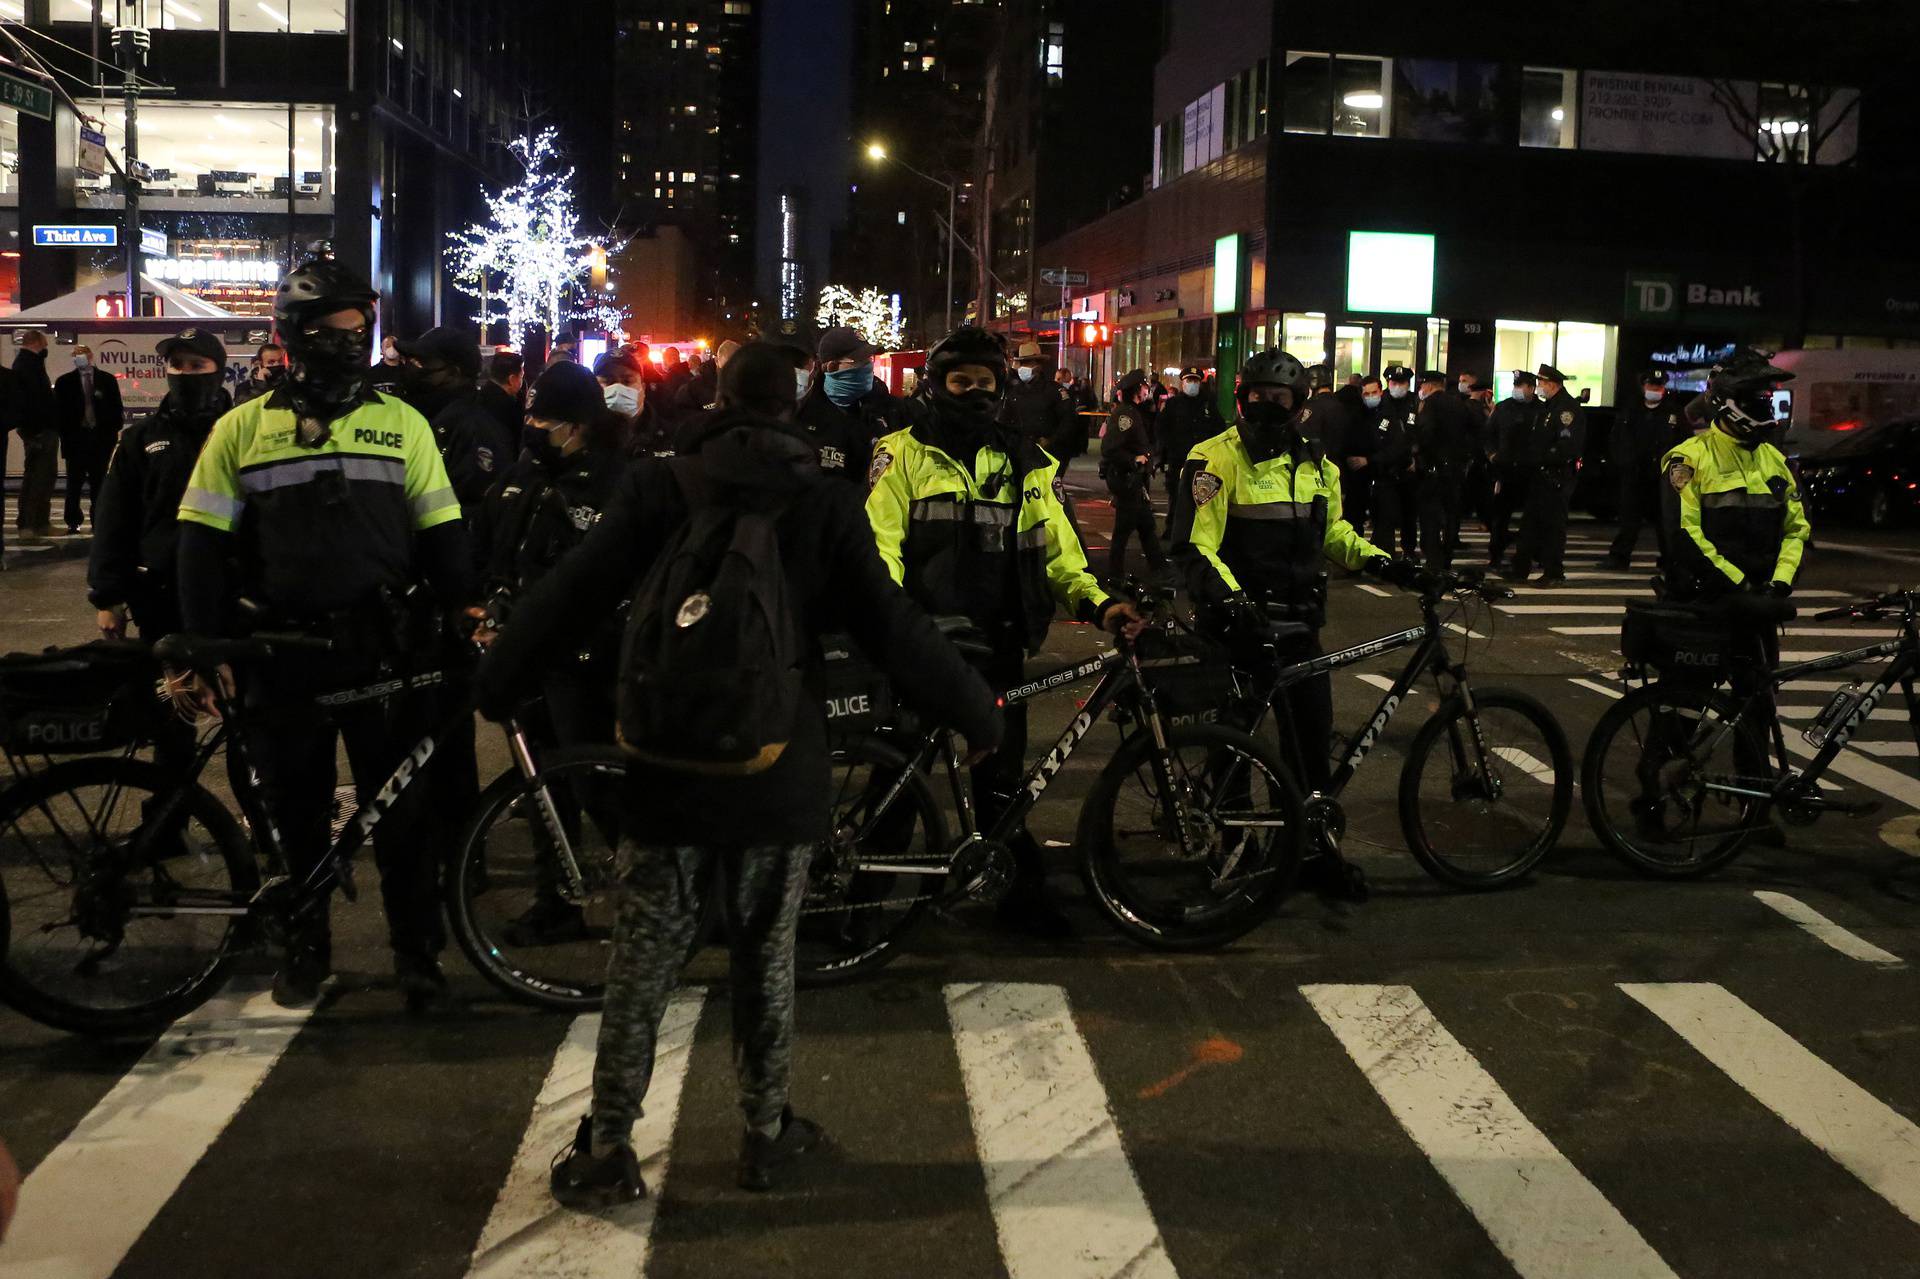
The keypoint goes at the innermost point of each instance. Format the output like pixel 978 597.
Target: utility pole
pixel 130 44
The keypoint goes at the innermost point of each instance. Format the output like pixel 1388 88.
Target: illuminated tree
pixel 870 313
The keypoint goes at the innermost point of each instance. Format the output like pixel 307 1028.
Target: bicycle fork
pixel 549 813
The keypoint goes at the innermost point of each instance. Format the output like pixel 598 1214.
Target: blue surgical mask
pixel 1190 388
pixel 846 386
pixel 1654 397
pixel 1024 373
pixel 1372 401
pixel 623 399
pixel 1397 390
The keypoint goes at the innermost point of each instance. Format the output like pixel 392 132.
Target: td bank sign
pixel 1654 295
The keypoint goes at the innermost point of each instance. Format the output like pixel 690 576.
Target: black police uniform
pixel 1642 435
pixel 475 449
pixel 1036 410
pixel 1129 436
pixel 1509 469
pixel 845 437
pixel 1444 439
pixel 1184 423
pixel 1557 440
pixel 1395 483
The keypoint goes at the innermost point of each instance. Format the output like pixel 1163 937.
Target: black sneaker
pixel 422 984
pixel 1551 579
pixel 548 922
pixel 302 973
pixel 581 1181
pixel 761 1156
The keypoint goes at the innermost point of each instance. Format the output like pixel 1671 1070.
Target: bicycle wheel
pixel 507 865
pixel 97 941
pixel 1656 774
pixel 853 920
pixel 1242 817
pixel 1482 810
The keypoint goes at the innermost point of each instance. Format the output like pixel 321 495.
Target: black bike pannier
pixel 1191 677
pixel 859 698
pixel 73 701
pixel 1675 642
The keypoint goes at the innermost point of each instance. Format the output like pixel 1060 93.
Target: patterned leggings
pixel 657 918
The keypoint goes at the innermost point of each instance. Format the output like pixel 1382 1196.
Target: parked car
pixel 1871 478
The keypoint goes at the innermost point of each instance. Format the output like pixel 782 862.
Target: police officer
pixel 1035 407
pixel 1444 431
pixel 543 507
pixel 1510 463
pixel 1357 450
pixel 1126 463
pixel 334 500
pixel 1557 437
pixel 970 520
pixel 1261 512
pixel 439 377
pixel 1395 478
pixel 1643 435
pixel 846 409
pixel 136 531
pixel 1189 417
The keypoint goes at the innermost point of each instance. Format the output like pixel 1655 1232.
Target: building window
pixel 1440 100
pixel 1523 344
pixel 1587 354
pixel 1784 123
pixel 1438 333
pixel 224 152
pixel 1549 98
pixel 926 62
pixel 1361 96
pixel 1303 335
pixel 1306 92
pixel 1352 350
pixel 300 16
pixel 1053 53
pixel 738 8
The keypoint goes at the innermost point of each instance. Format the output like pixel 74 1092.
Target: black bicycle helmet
pixel 968 345
pixel 1740 393
pixel 320 286
pixel 1274 368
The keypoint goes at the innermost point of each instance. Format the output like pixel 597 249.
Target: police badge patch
pixel 485 458
pixel 1679 475
pixel 1059 489
pixel 1566 417
pixel 1206 487
pixel 882 461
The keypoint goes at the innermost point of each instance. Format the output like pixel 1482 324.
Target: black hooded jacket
pixel 136 533
pixel 837 584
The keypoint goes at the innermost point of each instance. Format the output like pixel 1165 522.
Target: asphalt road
pixel 1589 1074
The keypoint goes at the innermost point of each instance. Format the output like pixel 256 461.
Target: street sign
pixel 93 152
pixel 76 237
pixel 24 93
pixel 1062 279
pixel 153 242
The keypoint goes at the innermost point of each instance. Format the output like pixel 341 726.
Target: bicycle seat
pixel 186 652
pixel 965 636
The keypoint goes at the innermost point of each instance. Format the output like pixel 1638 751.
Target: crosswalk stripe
pixel 528 1234
pixel 1064 1199
pixel 1889 750
pixel 1875 777
pixel 1635 592
pixel 1380 682
pixel 1373 590
pixel 1564 610
pixel 1819 926
pixel 1792 632
pixel 1864 1135
pixel 1595 686
pixel 93 1196
pixel 1546 1218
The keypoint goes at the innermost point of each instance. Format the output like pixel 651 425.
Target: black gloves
pixel 1780 590
pixel 1773 590
pixel 1404 574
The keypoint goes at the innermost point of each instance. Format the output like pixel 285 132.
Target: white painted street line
pixel 1864 1135
pixel 1370 589
pixel 1877 778
pixel 528 1234
pixel 1538 770
pixel 1819 926
pixel 1805 632
pixel 1565 610
pixel 1380 682
pixel 1863 632
pixel 1644 592
pixel 1064 1199
pixel 1586 630
pixel 93 1197
pixel 1595 686
pixel 1887 750
pixel 1467 631
pixel 1547 1219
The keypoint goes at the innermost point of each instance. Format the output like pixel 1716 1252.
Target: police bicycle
pixel 1678 777
pixel 1487 783
pixel 1188 839
pixel 132 890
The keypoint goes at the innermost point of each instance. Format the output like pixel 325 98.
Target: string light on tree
pixel 870 313
pixel 528 263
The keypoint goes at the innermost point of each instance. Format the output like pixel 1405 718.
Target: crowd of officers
pixel 373 503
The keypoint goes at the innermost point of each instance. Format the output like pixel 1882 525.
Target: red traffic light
pixel 109 306
pixel 1092 335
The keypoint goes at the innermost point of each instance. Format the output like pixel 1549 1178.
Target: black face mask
pixel 430 389
pixel 974 410
pixel 200 396
pixel 271 377
pixel 330 370
pixel 540 444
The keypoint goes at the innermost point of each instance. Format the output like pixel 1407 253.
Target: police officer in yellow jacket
pixel 332 499
pixel 971 520
pixel 1733 508
pixel 1259 512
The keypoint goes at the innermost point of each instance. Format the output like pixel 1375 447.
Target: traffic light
pixel 1091 335
pixel 109 306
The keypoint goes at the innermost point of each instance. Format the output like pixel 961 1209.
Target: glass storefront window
pixel 1437 334
pixel 1586 354
pixel 1352 345
pixel 1522 344
pixel 299 16
pixel 1303 335
pixel 1548 104
pixel 1398 346
pixel 1361 96
pixel 1785 123
pixel 221 151
pixel 1305 93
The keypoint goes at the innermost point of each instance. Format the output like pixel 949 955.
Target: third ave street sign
pixel 1061 279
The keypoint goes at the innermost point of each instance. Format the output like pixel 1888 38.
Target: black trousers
pixel 1395 504
pixel 1303 717
pixel 1133 514
pixel 1356 498
pixel 1639 499
pixel 294 743
pixel 1510 497
pixel 86 469
pixel 1440 501
pixel 1543 535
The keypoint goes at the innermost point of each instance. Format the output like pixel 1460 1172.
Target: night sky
pixel 805 112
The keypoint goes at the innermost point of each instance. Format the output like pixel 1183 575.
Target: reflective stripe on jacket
pixel 1738 509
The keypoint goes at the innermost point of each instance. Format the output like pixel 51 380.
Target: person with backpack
pixel 972 520
pixel 747 554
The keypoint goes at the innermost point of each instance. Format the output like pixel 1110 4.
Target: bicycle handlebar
pixel 1435 586
pixel 184 651
pixel 1871 608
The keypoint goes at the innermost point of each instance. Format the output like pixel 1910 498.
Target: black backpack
pixel 710 670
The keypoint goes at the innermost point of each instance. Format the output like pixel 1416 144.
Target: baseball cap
pixel 446 345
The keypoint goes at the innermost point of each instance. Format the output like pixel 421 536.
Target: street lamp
pixel 878 153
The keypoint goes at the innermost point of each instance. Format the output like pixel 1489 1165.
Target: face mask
pixel 198 395
pixel 273 375
pixel 802 380
pixel 81 361
pixel 622 399
pixel 1265 416
pixel 973 409
pixel 1523 393
pixel 545 449
pixel 845 386
pixel 1654 397
pixel 1424 393
pixel 1024 374
pixel 1372 401
pixel 330 369
pixel 1397 391
pixel 1190 388
pixel 1466 388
